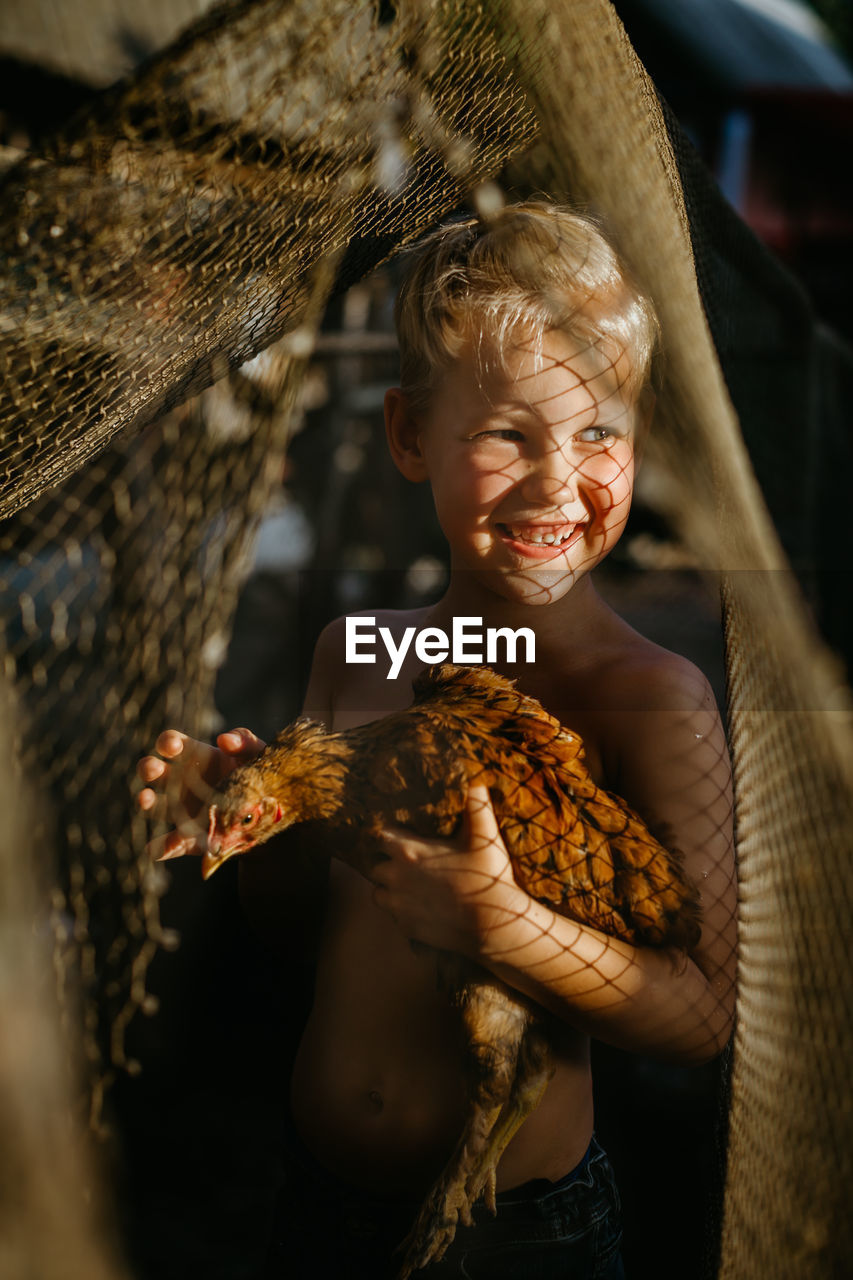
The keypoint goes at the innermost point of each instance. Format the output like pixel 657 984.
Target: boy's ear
pixel 403 431
pixel 645 412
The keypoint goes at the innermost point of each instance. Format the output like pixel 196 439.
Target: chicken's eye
pixel 248 819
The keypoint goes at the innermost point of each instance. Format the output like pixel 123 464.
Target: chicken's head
pixel 298 778
pixel 239 822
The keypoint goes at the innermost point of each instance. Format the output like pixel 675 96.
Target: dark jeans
pixel 567 1230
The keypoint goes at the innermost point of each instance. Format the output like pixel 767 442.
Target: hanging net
pixel 169 255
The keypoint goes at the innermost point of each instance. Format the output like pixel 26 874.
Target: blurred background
pixel 764 91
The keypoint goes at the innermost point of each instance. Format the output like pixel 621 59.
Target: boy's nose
pixel 552 481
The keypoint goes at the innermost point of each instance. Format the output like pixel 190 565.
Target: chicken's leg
pixel 533 1072
pixel 495 1023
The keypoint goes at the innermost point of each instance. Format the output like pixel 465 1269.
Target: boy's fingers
pixel 150 768
pixel 236 746
pixel 397 843
pixel 170 743
pixel 183 840
pixel 480 814
pixel 156 808
pixel 236 740
pixel 146 799
pixel 169 846
pixel 198 757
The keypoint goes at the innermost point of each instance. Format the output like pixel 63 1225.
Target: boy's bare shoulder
pixel 618 671
pixel 623 694
pixel 335 683
pixel 643 676
pixel 655 715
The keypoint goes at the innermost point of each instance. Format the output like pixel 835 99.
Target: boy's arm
pixel 673 768
pixel 281 886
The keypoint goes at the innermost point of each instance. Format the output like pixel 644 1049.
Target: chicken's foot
pixel 447 1203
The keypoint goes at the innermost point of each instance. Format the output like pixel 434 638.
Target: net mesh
pixel 200 213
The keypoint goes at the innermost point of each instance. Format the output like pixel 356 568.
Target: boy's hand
pixel 455 895
pixel 184 776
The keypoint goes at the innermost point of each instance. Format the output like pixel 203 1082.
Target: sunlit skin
pixel 539 449
pixel 544 447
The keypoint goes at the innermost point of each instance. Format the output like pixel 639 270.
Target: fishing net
pixel 169 256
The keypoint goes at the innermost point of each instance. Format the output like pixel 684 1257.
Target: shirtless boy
pixel 525 368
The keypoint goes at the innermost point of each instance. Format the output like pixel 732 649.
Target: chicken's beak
pixel 210 861
pixel 220 847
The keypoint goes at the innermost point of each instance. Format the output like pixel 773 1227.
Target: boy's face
pixel 531 467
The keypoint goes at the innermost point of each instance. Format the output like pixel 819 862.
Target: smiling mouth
pixel 540 540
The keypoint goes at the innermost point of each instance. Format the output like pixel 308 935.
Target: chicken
pixel 572 845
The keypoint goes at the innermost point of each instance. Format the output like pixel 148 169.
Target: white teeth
pixel 522 534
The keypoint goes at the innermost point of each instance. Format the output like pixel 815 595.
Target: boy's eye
pixel 596 435
pixel 499 433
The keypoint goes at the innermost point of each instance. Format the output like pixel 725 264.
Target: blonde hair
pixel 533 267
